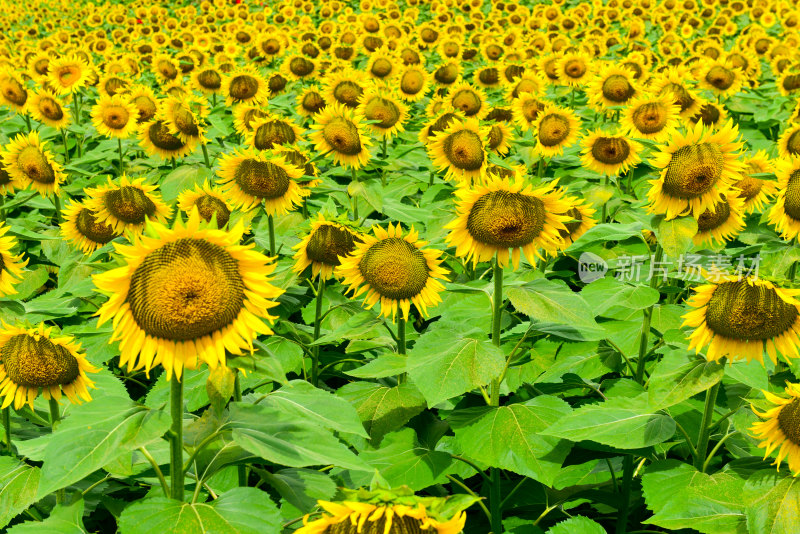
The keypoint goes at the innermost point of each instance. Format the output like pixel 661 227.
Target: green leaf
pixel 401 460
pixel 510 437
pixel 676 235
pixel 607 232
pixel 62 520
pixel 681 375
pixel 553 302
pixel 18 485
pixel 608 292
pixel 625 424
pixel 388 364
pixel 442 371
pixel 238 511
pixel 383 409
pixel 773 502
pixel 301 487
pixel 183 178
pixel 577 525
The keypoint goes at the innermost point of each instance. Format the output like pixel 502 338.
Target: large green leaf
pixel 510 436
pixel 680 375
pixel 676 235
pixel 442 371
pixel 383 409
pixel 301 487
pixel 772 502
pixel 62 520
pixel 18 485
pixel 577 525
pixel 608 292
pixel 238 511
pixel 401 460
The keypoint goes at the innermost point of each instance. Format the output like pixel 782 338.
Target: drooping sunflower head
pixel 382 65
pixel 340 131
pixel 529 82
pixel 614 85
pixel 781 427
pixel 156 139
pixel 698 168
pixel 461 150
pixel 271 132
pixel 302 160
pixel 438 123
pixel 115 116
pixel 310 101
pixel 245 85
pixel 46 107
pixel 500 138
pixel 184 117
pixel 68 74
pixel 447 73
pixel 82 229
pixel 673 83
pixel 380 105
pixel 344 87
pixel 721 77
pixel 165 68
pixel 467 99
pixel 556 129
pixel 29 163
pixel 111 83
pixel 506 214
pixel 323 246
pixel 789 141
pixel 299 67
pixel 756 191
pixel 34 359
pixel 208 79
pixel 651 117
pixel 126 204
pixel 209 202
pixel 785 214
pixel 741 317
pixel 721 222
pixel 525 110
pixel 186 295
pixel 145 101
pixel 711 114
pixel 13 92
pixel 580 217
pixel 11 265
pixel 244 115
pixel 412 83
pixel 609 152
pixel 250 177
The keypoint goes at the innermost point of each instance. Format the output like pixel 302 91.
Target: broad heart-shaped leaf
pixel 547 301
pixel 772 502
pixel 682 497
pixel 401 460
pixel 577 525
pixel 383 409
pixel 301 487
pixel 510 436
pixel 18 485
pixel 680 375
pixel 300 398
pixel 62 520
pixel 238 511
pixel 676 235
pixel 609 291
pixel 285 439
pixel 442 369
pixel 622 423
pixel 93 435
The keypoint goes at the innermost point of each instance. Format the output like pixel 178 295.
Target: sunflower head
pixel 10 265
pixel 249 177
pixel 650 117
pixel 209 202
pixel 272 131
pixel 556 129
pixel 29 163
pixel 387 110
pixel 609 152
pixel 780 428
pixel 323 246
pixel 156 139
pixel 722 221
pixel 13 92
pixel 310 101
pixel 340 131
pixel 46 107
pixel 68 74
pixel 245 85
pixel 785 214
pixel 126 205
pixel 81 228
pixel 115 116
pixel 461 150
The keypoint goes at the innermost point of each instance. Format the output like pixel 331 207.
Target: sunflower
pixel 781 427
pixel 672 83
pixel 82 229
pixel 529 82
pixel 756 191
pixel 10 265
pixel 111 84
pixel 394 270
pixel 183 118
pixel 245 85
pixel 785 214
pixel 250 177
pixel 33 358
pixel 500 138
pixel 126 205
pixel 272 131
pixel 156 139
pixel 300 159
pixel 698 168
pixel 721 78
pixel 574 68
pixel 186 295
pixel 145 101
pixel 721 222
pixel 788 82
pixel 739 318
pixel 344 87
pixel 381 65
pixel 461 150
pixel 68 74
pixel 114 116
pixel 582 220
pixel 447 73
pixel 46 107
pixel 612 86
pixel 29 163
pixel 525 110
pixel 210 203
pixel 711 114
pixel 310 101
pixel 298 67
pixel 208 80
pixel 341 131
pixel 381 106
pixel 467 99
pixel 6 183
pixel 323 246
pixel 789 141
pixel 438 123
pixel 488 77
pixel 165 68
pixel 609 152
pixel 387 512
pixel 556 129
pixel 412 83
pixel 505 213
pixel 651 117
pixel 245 114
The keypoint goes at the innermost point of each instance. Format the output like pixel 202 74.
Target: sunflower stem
pixel 64 142
pixel 317 327
pixel 241 471
pixel 495 498
pixel 355 200
pixel 793 270
pixel 271 227
pixel 383 148
pixel 627 479
pixel 28 122
pixel 55 415
pixel 174 164
pixel 401 335
pixel 213 100
pixel 605 204
pixel 121 164
pixel 57 206
pixel 7 427
pixel 430 179
pixel 205 155
pixel 705 428
pixel 540 169
pixel 176 439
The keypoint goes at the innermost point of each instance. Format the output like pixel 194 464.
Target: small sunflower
pixel 46 107
pixel 340 131
pixel 381 106
pixel 344 87
pixel 781 427
pixel 68 74
pixel 556 129
pixel 673 83
pixel 698 168
pixel 115 116
pixel 382 65
pixel 250 177
pixel 272 131
pixel 721 78
pixel 156 139
pixel 310 101
pixel 29 163
pixel 165 68
pixel 245 85
pixel 789 141
pixel 609 152
pixel 785 214
pixel 505 213
pixel 10 265
pixel 323 246
pixel 412 83
pixel 82 229
pixel 461 150
pixel 126 205
pixel 210 203
pixel 438 123
pixel 183 117
pixel 651 117
pixel 394 270
pixel 740 318
pixel 33 359
pixel 525 110
pixel 711 114
pixel 244 115
pixel 111 84
pixel 756 192
pixel 467 99
pixel 500 138
pixel 574 69
pixel 208 80
pixel 187 295
pixel 145 101
pixel 298 67
pixel 612 86
pixel 582 219
pixel 13 92
pixel 721 222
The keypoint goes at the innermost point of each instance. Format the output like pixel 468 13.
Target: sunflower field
pixel 400 267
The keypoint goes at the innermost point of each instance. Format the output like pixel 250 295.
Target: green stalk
pixel 383 148
pixel 627 479
pixel 317 327
pixel 121 164
pixel 28 122
pixel 355 200
pixel 64 142
pixel 495 498
pixel 213 100
pixel 176 439
pixel 793 271
pixel 540 169
pixel 241 470
pixel 705 427
pixel 205 155
pixel 605 204
pixel 401 335
pixel 7 426
pixel 57 205
pixel 174 164
pixel 271 227
pixel 76 109
pixel 430 179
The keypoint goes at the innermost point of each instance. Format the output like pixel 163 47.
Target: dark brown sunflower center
pixel 575 68
pixel 296 158
pixel 506 220
pixel 400 525
pixel 464 150
pixel 114 85
pixel 500 115
pixel 553 130
pixel 210 79
pixel 750 187
pixel 441 123
pixel 115 117
pixel 791 204
pixel 446 74
pixel 650 118
pixel 489 76
pixel 411 82
pixel 682 97
pixel 273 133
pixel 789 421
pixel 208 206
pixel 394 268
pixel 185 290
pixel 381 67
pixel 743 312
pixel 262 179
pixel 575 214
pixel 147 108
pixel 793 143
pixel 167 70
pixel 409 57
pixel 184 121
pixel 791 82
pixel 493 52
pixel 495 137
pixel 5 178
pixel 14 92
pixel 617 88
pixel 91 228
pixel 271 46
pixel 382 110
pixel 129 204
pixel 635 67
pixel 429 35
pixel 160 137
pixel 35 165
pixel 243 87
pixel 301 66
pixel 714 217
pixel 276 83
pixel 51 109
pixel 328 242
pixel 342 135
pixel 611 150
pixel 467 101
pixel 720 77
pixel 348 93
pixel 693 170
pixel 709 114
pixel 313 102
pixel 38 362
